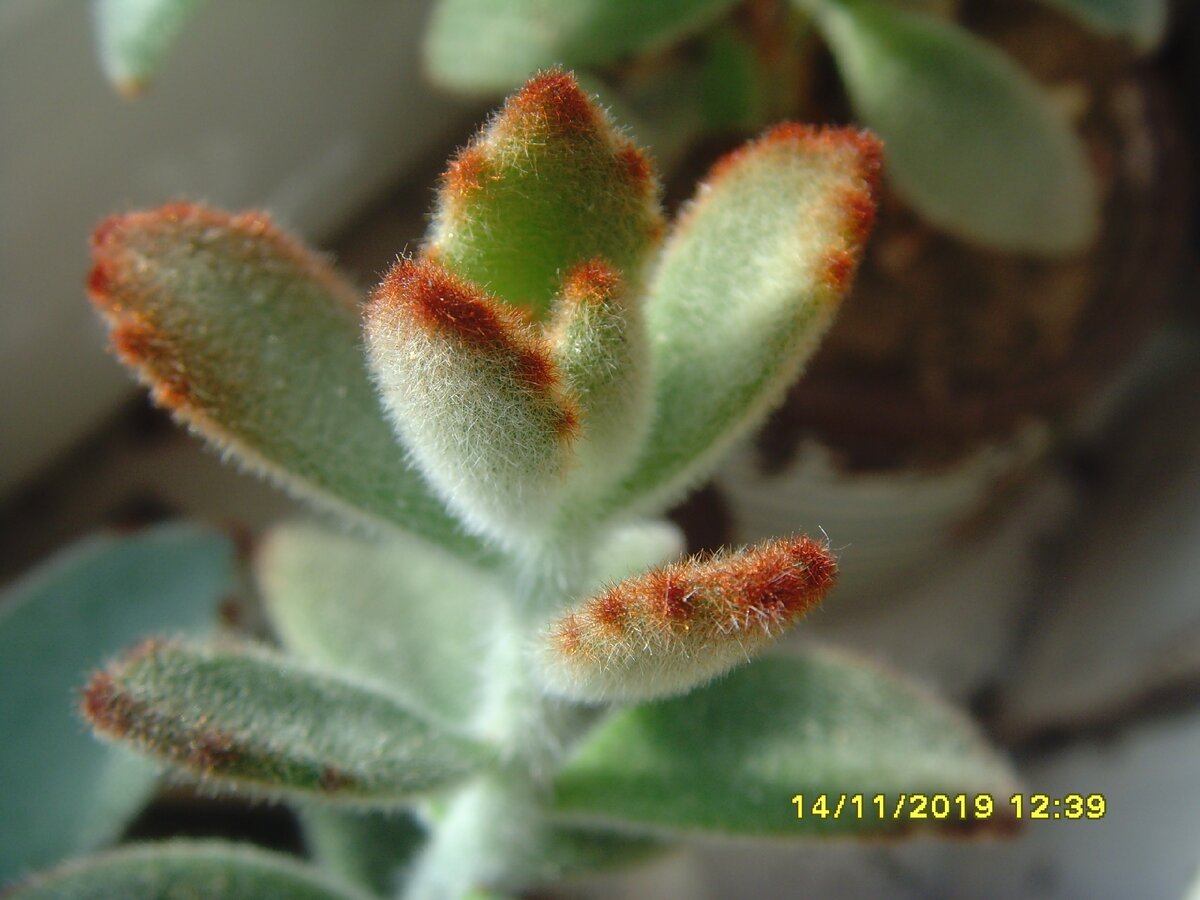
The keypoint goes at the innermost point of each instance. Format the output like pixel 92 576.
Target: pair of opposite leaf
pixel 597 376
pixel 974 143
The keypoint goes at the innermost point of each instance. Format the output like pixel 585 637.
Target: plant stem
pixel 492 832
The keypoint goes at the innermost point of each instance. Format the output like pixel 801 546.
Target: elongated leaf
pixel 254 342
pixel 972 140
pixel 62 792
pixel 474 392
pixel 186 870
pixel 1143 21
pixel 491 45
pixel 598 340
pixel 673 628
pixel 246 718
pixel 367 849
pixel 547 185
pixel 749 280
pixel 729 758
pixel 393 611
pixel 133 36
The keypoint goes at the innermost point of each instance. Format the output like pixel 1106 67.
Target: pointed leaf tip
pixel 548 184
pixel 677 626
pixel 451 360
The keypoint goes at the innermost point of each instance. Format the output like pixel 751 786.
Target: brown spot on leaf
pixel 212 750
pixel 466 172
pixel 594 281
pixel 636 166
pixel 838 270
pixel 441 302
pixel 333 779
pixel 138 343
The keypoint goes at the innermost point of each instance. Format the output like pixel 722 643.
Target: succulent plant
pixel 497 669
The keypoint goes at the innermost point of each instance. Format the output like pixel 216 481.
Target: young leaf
pixel 632 548
pixel 490 45
pixel 246 718
pixel 475 394
pixel 133 36
pixel 254 342
pixel 748 281
pixel 1142 21
pixel 393 611
pixel 185 870
pixel 362 848
pixel 972 140
pixel 61 792
pixel 598 341
pixel 547 185
pixel 666 631
pixel 729 758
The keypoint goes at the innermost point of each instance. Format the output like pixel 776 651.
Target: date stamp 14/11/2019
pixel 979 807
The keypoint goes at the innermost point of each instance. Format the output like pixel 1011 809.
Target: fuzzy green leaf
pixel 749 280
pixel 185 870
pixel 973 142
pixel 728 759
pixel 254 342
pixel 133 37
pixel 597 339
pixel 362 848
pixel 547 185
pixel 247 718
pixel 393 611
pixel 672 628
pixel 61 792
pixel 491 45
pixel 475 394
pixel 1142 21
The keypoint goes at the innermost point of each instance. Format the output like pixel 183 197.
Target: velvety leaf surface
pixel 474 392
pixel 61 791
pixel 547 185
pixel 598 341
pixel 749 279
pixel 393 611
pixel 1143 21
pixel 186 870
pixel 247 718
pixel 133 36
pixel 729 758
pixel 255 343
pixel 492 45
pixel 973 142
pixel 674 627
pixel 362 848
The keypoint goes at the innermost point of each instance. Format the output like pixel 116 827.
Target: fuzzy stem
pixel 492 831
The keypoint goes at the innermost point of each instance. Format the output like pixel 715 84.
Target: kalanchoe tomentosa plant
pixel 508 678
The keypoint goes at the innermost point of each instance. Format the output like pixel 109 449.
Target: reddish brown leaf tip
pixel 551 100
pixel 866 146
pixel 435 300
pixel 594 281
pixel 767 586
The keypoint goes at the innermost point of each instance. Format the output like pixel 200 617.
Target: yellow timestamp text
pixel 949 806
